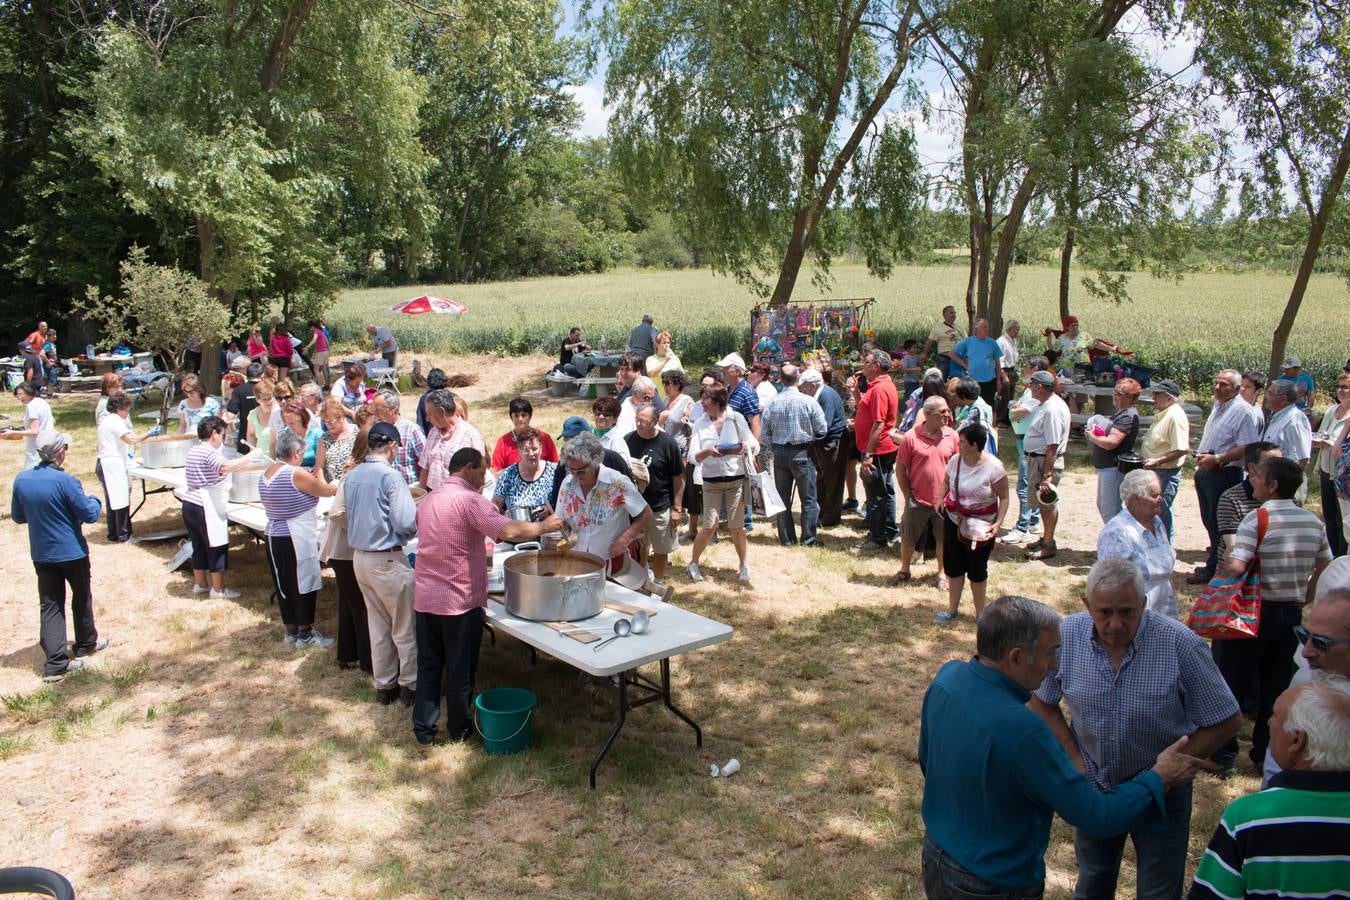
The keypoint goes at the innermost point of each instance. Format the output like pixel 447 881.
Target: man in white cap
pixel 1046 440
pixel 741 397
pixel 53 504
pixel 1166 444
pixel 1303 382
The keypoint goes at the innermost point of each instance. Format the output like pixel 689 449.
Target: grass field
pixel 200 757
pixel 1187 329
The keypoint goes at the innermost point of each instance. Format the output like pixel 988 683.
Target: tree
pixel 1284 66
pixel 745 119
pixel 159 308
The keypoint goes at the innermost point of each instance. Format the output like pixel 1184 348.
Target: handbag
pixel 761 493
pixel 1229 608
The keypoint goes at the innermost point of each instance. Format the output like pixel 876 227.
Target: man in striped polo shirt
pixel 1292 839
pixel 1293 550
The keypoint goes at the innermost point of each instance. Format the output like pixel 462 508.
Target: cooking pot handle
pixel 527 545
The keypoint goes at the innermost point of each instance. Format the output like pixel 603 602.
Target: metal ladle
pixel 622 628
pixel 642 620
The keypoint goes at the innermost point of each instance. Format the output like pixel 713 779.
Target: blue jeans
pixel 1028 516
pixel 792 466
pixel 1108 492
pixel 880 490
pixel 944 364
pixel 1209 486
pixel 1171 483
pixel 1161 856
pixel 945 879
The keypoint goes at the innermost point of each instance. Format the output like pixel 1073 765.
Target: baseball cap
pixel 1043 378
pixel 51 443
pixel 1163 386
pixel 1292 362
pixel 731 359
pixel 382 433
pixel 573 426
pixel 811 376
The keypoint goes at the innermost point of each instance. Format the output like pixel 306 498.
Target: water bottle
pixel 604 345
pixel 88 351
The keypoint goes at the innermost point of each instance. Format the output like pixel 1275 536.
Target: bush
pixel 660 247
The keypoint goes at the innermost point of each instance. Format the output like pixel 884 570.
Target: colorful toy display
pixel 804 330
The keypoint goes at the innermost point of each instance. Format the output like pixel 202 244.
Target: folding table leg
pixel 618 726
pixel 670 705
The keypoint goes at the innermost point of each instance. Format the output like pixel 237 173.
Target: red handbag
pixel 1229 607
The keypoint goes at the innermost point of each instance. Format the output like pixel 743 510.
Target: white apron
pixel 116 481
pixel 215 502
pixel 304 530
pixel 1157 572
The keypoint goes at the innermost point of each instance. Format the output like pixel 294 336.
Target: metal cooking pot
pixel 554 586
pixel 244 485
pixel 167 451
pixel 1128 462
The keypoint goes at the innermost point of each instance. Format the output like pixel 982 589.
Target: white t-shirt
pixel 1009 348
pixel 36 412
pixel 1029 403
pixel 707 435
pixel 1049 425
pixel 976 482
pixel 384 339
pixel 110 432
pixel 765 391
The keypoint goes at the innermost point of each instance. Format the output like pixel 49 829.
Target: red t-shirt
pixel 925 460
pixel 506 454
pixel 879 403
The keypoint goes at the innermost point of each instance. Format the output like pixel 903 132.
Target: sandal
pixel 899 578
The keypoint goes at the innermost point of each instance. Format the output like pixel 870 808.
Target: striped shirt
pixel 1234 423
pixel 204 464
pixel 1294 545
pixel 1167 686
pixel 744 400
pixel 792 419
pixel 1290 840
pixel 282 500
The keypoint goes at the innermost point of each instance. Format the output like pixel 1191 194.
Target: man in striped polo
pixel 1292 839
pixel 1292 552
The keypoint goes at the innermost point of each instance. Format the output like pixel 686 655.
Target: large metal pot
pixel 555 586
pixel 168 451
pixel 244 485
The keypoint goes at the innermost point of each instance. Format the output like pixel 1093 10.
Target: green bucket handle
pixel 528 716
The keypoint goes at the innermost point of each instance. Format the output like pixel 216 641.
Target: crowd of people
pixel 1149 702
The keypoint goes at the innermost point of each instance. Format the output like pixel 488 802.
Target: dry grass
pixel 200 754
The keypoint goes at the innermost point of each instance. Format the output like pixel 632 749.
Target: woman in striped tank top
pixel 290 495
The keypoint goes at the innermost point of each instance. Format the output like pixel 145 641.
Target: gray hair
pixel 1011 323
pixel 934 403
pixel 1010 622
pixel 1322 712
pixel 310 389
pixel 442 399
pixel 1136 484
pixel 1285 389
pixel 390 397
pixel 645 384
pixel 1233 376
pixel 881 358
pixel 584 448
pixel 1333 595
pixel 1114 573
pixel 288 443
pixel 930 372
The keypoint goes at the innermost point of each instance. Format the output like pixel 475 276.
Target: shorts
pixel 281 362
pixel 1035 468
pixel 661 536
pixel 959 560
pixel 916 520
pixel 320 359
pixel 723 501
pixel 851 440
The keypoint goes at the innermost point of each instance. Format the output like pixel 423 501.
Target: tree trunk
pixel 803 224
pixel 972 276
pixel 1007 239
pixel 1316 228
pixel 1066 252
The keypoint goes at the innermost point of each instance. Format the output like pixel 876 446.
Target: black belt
pixel 1042 453
pixel 791 446
pixel 398 549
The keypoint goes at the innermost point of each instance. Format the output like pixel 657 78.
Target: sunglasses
pixel 1321 643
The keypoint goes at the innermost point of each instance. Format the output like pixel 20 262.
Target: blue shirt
pixel 836 421
pixel 981 356
pixel 744 400
pixel 792 419
pixel 52 503
pixel 1167 687
pixel 381 514
pixel 994 776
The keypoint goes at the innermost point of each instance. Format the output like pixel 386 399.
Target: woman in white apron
pixel 205 505
pixel 1137 533
pixel 115 441
pixel 290 496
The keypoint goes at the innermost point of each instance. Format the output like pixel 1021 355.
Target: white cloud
pixel 594 113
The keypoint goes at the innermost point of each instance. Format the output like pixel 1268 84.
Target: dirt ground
pixel 199 756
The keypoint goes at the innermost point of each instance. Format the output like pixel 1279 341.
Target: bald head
pixel 789 375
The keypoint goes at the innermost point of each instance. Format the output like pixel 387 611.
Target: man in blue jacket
pixel 995 775
pixel 53 504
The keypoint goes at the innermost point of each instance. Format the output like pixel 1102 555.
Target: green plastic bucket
pixel 503 719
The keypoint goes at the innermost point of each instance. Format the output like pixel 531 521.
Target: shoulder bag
pixel 1229 608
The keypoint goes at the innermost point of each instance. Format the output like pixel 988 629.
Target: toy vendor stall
pixel 803 330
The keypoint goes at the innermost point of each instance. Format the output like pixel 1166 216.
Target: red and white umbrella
pixel 424 304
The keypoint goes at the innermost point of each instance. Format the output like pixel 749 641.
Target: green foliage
pixel 659 246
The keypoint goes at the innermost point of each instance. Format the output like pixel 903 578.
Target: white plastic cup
pixel 731 768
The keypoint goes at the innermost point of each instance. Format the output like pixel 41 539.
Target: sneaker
pixel 73 665
pixel 313 641
pixel 224 594
pixel 850 505
pixel 201 589
pixel 1015 536
pixel 289 640
pixel 944 617
pixel 743 574
pixel 99 645
pixel 694 572
pixel 862 511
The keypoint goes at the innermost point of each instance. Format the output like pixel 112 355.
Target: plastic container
pixel 504 716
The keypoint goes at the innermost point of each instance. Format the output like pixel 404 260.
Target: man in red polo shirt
pixel 872 426
pixel 921 470
pixel 450 592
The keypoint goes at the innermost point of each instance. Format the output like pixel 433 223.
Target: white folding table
pixel 673 631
